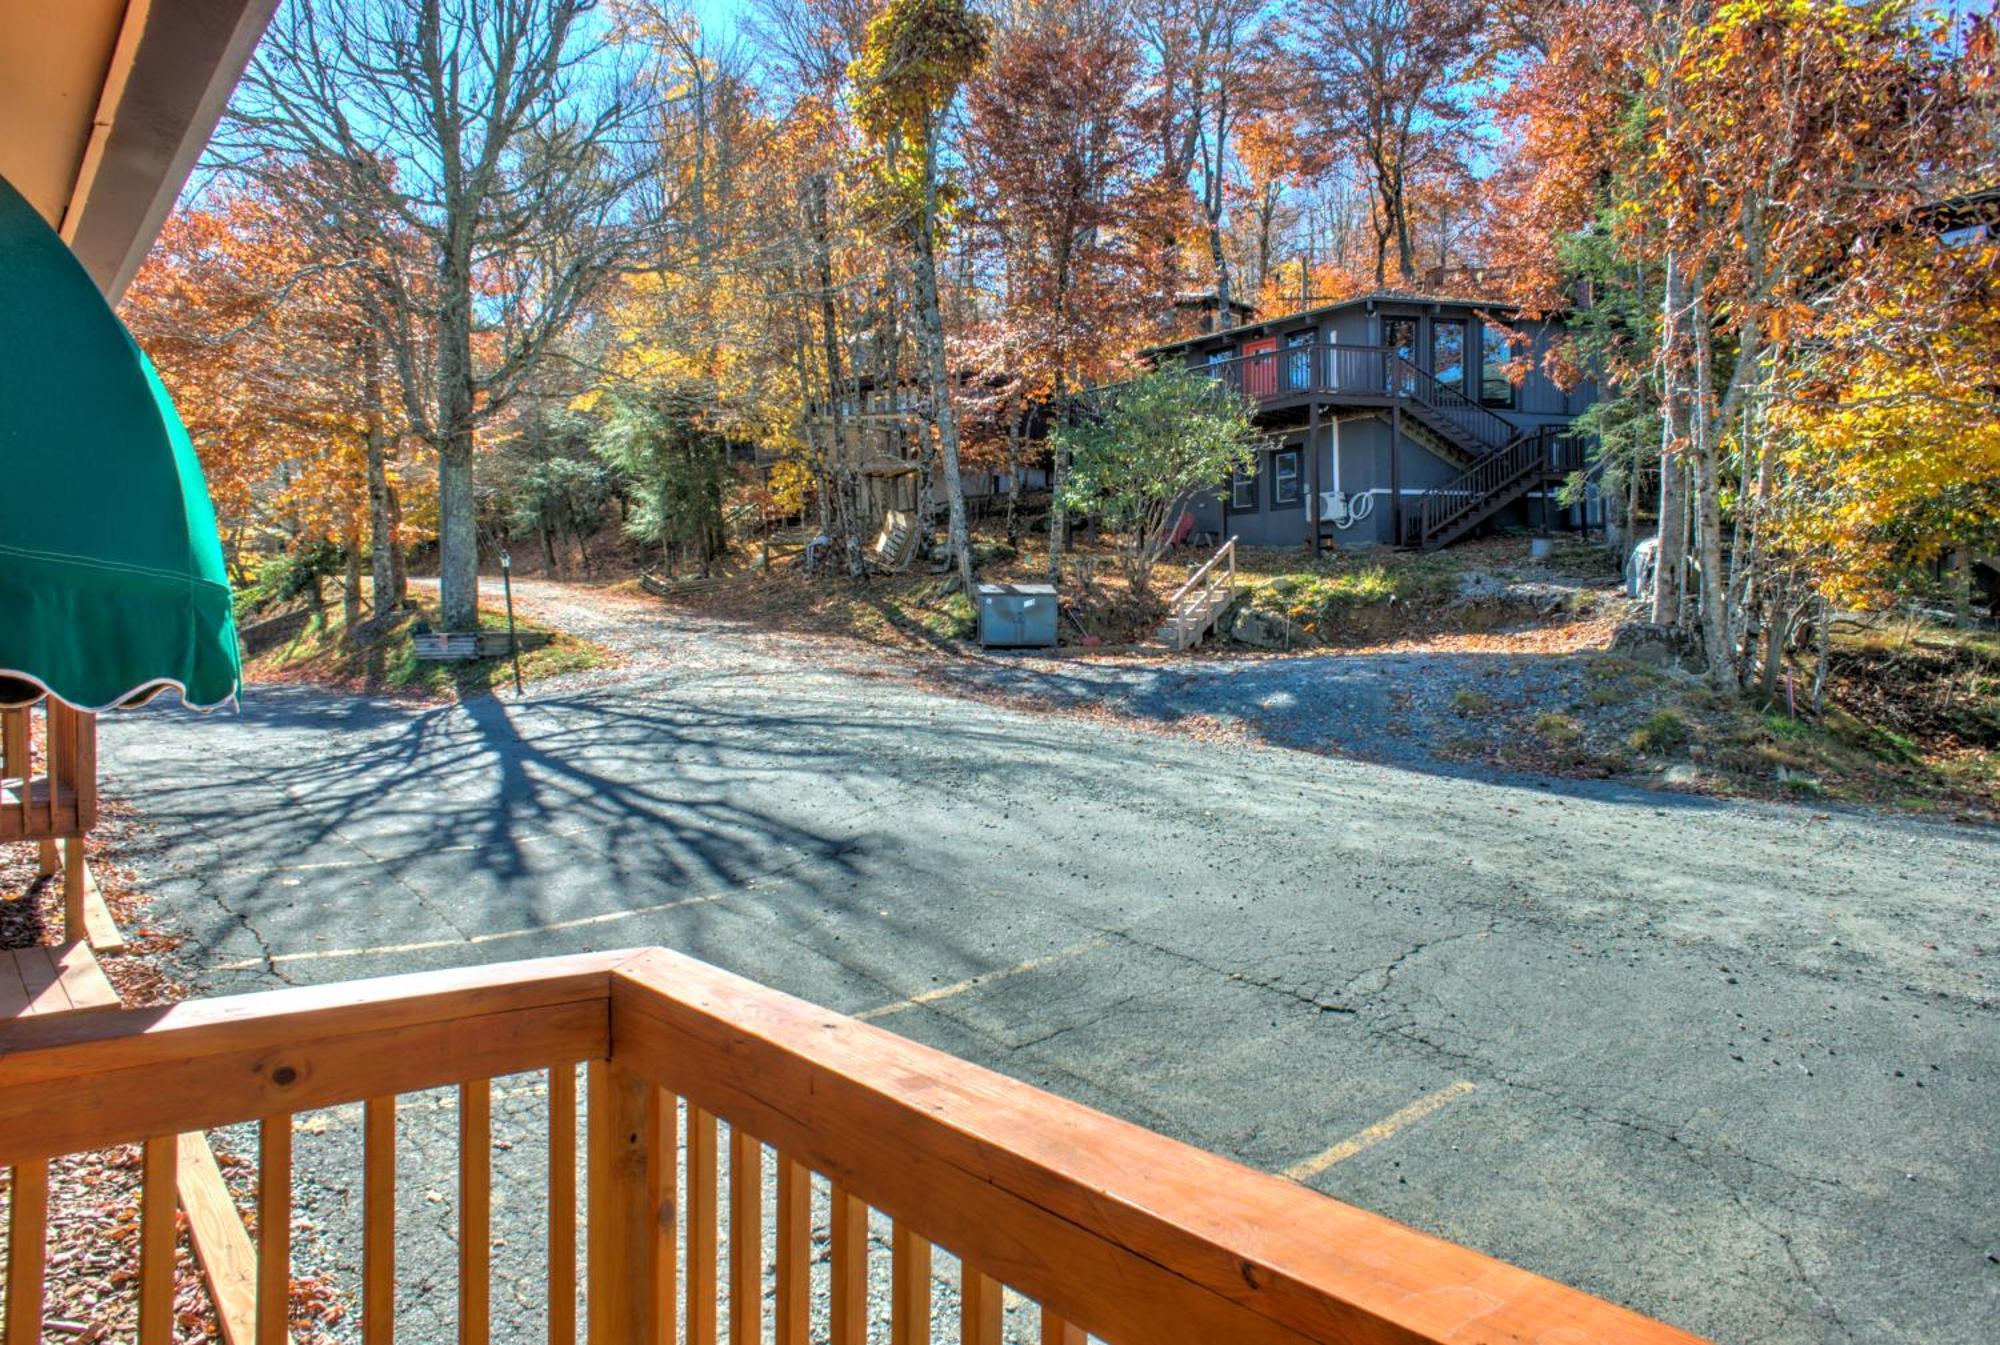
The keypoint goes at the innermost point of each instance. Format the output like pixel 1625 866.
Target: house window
pixel 1495 389
pixel 1298 360
pixel 1448 352
pixel 1400 335
pixel 1243 490
pixel 1285 487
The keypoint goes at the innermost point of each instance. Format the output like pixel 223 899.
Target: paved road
pixel 1734 1065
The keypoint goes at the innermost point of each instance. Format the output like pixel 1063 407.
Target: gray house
pixel 1396 418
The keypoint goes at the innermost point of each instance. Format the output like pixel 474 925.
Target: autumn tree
pixel 1143 449
pixel 1065 193
pixel 917 56
pixel 1389 83
pixel 505 139
pixel 259 334
pixel 1210 69
pixel 1755 179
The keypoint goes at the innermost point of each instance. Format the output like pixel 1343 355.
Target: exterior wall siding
pixel 1363 466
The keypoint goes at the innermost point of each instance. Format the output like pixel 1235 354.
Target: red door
pixel 1260 375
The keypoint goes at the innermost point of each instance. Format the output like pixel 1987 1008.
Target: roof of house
pixel 1371 297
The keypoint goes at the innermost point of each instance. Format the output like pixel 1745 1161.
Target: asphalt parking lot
pixel 1733 1065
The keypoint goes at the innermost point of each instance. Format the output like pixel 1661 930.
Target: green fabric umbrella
pixel 111 578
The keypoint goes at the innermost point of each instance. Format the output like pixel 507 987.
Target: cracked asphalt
pixel 1734 1065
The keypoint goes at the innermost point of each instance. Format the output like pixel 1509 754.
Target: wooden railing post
pixel 27 1251
pixel 629 1305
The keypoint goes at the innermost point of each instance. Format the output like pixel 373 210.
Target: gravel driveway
pixel 1732 1064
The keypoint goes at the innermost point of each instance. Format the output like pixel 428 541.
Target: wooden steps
pixel 98 927
pixel 39 981
pixel 222 1246
pixel 1198 604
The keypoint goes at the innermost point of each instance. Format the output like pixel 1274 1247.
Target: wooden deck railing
pixel 61 798
pixel 1114 1231
pixel 1537 456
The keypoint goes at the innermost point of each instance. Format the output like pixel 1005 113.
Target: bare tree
pixel 503 140
pixel 1390 80
pixel 1209 65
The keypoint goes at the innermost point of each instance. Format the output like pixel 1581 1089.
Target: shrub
pixel 1663 731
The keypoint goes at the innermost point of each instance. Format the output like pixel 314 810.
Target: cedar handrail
pixel 1116 1231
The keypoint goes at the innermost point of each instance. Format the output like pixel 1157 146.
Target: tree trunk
pixel 944 408
pixel 1218 262
pixel 1058 480
pixel 350 589
pixel 382 540
pixel 1015 430
pixel 458 541
pixel 399 565
pixel 1715 617
pixel 1671 559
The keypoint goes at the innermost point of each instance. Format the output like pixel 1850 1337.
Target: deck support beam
pixel 1396 472
pixel 1312 496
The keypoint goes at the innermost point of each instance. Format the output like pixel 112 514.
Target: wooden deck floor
pixel 40 980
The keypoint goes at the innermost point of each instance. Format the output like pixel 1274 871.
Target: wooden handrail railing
pixel 1490 428
pixel 1112 1229
pixel 1181 612
pixel 1542 453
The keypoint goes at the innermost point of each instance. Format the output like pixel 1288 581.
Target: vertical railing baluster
pixel 157 1230
pixel 27 1251
pixel 746 1238
pixel 909 1288
pixel 1056 1331
pixel 562 1204
pixel 701 1227
pixel 850 1270
pixel 663 1121
pixel 274 1229
pixel 475 1212
pixel 794 1252
pixel 624 1228
pixel 378 1221
pixel 980 1304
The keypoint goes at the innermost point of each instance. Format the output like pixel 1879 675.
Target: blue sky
pixel 718 17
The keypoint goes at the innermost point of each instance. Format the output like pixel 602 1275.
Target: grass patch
pixel 1662 732
pixel 1558 730
pixel 1468 704
pixel 381 656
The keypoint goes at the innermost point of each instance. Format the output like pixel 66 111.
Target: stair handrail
pixel 1441 506
pixel 1178 613
pixel 1415 385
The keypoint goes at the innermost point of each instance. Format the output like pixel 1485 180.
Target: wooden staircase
pixel 1198 604
pixel 1533 458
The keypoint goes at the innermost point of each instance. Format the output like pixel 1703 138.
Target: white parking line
pixel 974 982
pixel 1381 1130
pixel 252 964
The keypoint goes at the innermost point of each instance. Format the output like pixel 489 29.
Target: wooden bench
pixel 39 981
pixel 448 646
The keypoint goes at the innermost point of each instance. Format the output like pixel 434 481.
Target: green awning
pixel 111 577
